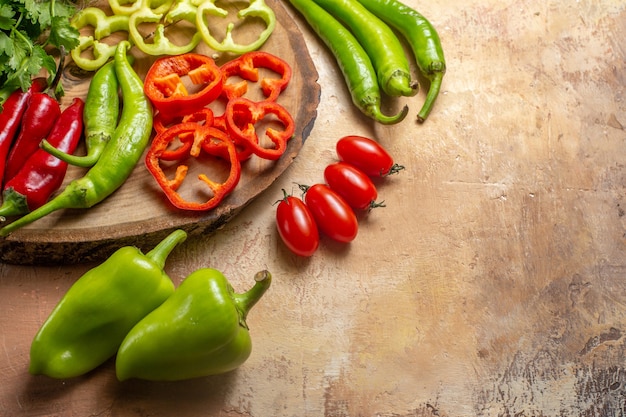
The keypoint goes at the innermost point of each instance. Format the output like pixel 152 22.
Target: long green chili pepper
pixel 101 114
pixel 352 59
pixel 423 39
pixel 379 41
pixel 119 157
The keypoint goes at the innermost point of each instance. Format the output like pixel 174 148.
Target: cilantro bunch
pixel 29 32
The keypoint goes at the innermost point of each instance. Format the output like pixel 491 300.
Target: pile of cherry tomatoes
pixel 332 207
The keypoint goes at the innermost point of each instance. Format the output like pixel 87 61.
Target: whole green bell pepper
pixel 199 331
pixel 89 323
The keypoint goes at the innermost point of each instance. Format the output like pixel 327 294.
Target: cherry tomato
pixel 356 188
pixel 296 226
pixel 367 155
pixel 332 214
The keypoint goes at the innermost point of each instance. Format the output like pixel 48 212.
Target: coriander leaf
pixel 6 17
pixel 62 33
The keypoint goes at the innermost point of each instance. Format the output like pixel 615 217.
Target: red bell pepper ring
pixel 192 139
pixel 247 67
pixel 167 90
pixel 242 116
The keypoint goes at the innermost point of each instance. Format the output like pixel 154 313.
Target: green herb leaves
pixel 27 29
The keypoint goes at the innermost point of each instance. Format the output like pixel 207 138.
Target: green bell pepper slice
pixel 256 8
pixel 90 321
pixel 103 26
pixel 200 330
pixel 161 44
pixel 127 8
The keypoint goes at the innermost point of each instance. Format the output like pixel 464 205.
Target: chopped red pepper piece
pixel 167 91
pixel 247 67
pixel 192 139
pixel 242 116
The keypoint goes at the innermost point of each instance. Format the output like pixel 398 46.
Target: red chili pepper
pixel 247 67
pixel 189 140
pixel 241 117
pixel 167 90
pixel 11 117
pixel 41 114
pixel 43 173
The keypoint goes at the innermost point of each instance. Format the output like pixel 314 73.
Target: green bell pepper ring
pixel 161 44
pixel 103 26
pixel 89 323
pixel 199 331
pixel 126 8
pixel 257 8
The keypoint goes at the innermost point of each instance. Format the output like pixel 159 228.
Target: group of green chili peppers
pixel 130 17
pixel 128 307
pixel 113 147
pixel 360 35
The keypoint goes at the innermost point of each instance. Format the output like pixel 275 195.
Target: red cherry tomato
pixel 296 226
pixel 331 213
pixel 367 155
pixel 352 184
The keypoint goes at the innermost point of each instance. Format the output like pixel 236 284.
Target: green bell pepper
pixel 161 44
pixel 200 330
pixel 256 9
pixel 103 26
pixel 89 323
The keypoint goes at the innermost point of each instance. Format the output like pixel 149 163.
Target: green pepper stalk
pixel 200 330
pixel 89 323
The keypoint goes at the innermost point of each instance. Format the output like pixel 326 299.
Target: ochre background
pixel 492 284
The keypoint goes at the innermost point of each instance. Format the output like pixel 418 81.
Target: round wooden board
pixel 138 213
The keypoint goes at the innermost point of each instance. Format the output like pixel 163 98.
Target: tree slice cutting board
pixel 138 213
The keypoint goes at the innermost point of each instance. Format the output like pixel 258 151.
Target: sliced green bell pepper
pixel 89 323
pixel 161 44
pixel 103 26
pixel 256 8
pixel 200 330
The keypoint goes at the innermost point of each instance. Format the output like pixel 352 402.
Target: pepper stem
pixel 374 112
pixel 159 254
pixel 248 299
pixel 433 92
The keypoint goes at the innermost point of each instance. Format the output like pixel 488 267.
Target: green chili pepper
pixel 423 39
pixel 199 330
pixel 100 116
pixel 103 26
pixel 119 157
pixel 380 43
pixel 89 323
pixel 353 61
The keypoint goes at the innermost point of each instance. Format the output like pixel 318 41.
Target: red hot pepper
pixel 189 140
pixel 241 117
pixel 43 173
pixel 167 90
pixel 11 117
pixel 42 113
pixel 247 67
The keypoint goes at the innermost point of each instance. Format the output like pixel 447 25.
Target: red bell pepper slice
pixel 192 139
pixel 169 94
pixel 243 116
pixel 247 67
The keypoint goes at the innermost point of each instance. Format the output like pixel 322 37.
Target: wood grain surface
pixel 492 284
pixel 139 213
